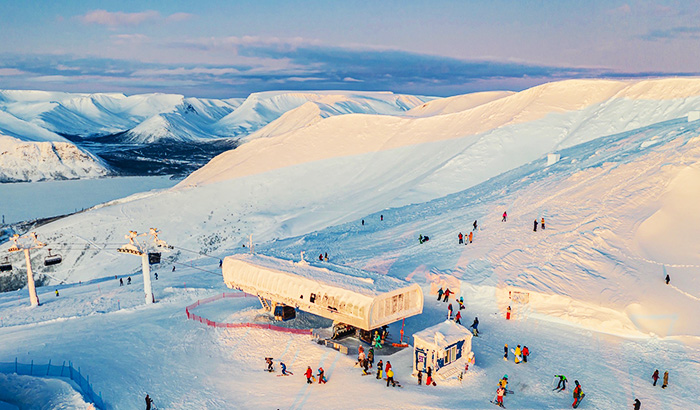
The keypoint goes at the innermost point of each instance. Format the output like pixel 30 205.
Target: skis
pixel 579 400
pixel 285 374
pixel 558 389
pixel 497 404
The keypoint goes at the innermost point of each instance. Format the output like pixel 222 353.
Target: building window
pixel 312 298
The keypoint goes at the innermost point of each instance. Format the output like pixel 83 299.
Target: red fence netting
pixel 212 323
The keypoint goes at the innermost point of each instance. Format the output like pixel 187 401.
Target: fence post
pixel 70 370
pixel 62 366
pixel 16 365
pixel 48 368
pixel 31 368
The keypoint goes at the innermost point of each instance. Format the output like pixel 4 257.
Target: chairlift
pixel 153 258
pixel 5 266
pixel 51 260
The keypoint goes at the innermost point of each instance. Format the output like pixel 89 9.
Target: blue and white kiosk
pixel 445 347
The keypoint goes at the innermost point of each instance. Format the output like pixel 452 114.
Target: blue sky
pixel 232 48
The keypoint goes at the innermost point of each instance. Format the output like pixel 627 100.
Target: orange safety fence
pixel 212 323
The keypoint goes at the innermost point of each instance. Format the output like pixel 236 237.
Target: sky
pixel 223 49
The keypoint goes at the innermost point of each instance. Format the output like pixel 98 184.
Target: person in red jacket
pixel 458 317
pixel 655 376
pixel 508 313
pixel 505 216
pixel 309 374
pixel 461 238
pixel 578 394
pixel 526 353
pixel 448 292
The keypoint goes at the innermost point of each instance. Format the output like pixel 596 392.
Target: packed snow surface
pixel 363 188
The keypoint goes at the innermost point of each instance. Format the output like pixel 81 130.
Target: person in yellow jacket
pixel 518 353
pixel 390 378
pixel 542 223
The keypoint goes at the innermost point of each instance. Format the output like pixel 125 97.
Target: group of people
pixel 365 361
pixel 310 375
pixel 520 354
pixel 541 224
pixel 578 390
pixel 323 257
pixel 655 377
pixel 429 377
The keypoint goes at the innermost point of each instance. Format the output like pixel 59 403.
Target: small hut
pixel 445 347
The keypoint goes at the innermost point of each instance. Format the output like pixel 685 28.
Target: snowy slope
pixel 457 103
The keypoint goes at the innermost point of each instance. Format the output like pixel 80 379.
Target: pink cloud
pixel 120 19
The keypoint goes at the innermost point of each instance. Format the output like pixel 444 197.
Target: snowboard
pixel 269 370
pixel 518 358
pixel 579 400
pixel 499 405
pixel 558 389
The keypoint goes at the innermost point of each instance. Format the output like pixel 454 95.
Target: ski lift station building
pixel 351 296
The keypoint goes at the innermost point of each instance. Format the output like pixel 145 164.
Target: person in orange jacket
pixel 471 236
pixel 542 223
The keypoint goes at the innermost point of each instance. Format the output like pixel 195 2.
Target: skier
pixel 363 222
pixel 655 376
pixel 474 225
pixel 320 257
pixel 458 317
pixel 149 401
pixel 637 404
pixel 526 353
pixel 668 279
pixel 174 265
pixel 121 282
pixel 381 217
pixel 471 236
pixel 420 238
pixel 325 256
pixel 370 357
pixel 448 292
pixel 221 262
pixel 461 302
pixel 517 352
pixel 578 394
pixel 321 377
pixel 309 374
pixel 562 382
pixel 499 396
pixel 420 377
pixel 663 386
pixel 56 292
pixel 505 216
pixel 461 238
pixel 504 383
pixel 270 368
pixel 380 366
pixel 535 226
pixel 377 340
pixel 128 280
pixel 390 377
pixel 429 378
pixel 475 326
pixel 440 292
pixel 505 352
pixel 156 275
pixel 449 311
pixel 508 313
pixel 542 223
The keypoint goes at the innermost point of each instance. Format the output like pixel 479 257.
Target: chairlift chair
pixel 52 259
pixel 153 258
pixel 5 266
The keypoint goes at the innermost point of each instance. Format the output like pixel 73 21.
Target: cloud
pixel 10 71
pixel 186 71
pixel 125 39
pixel 115 19
pixel 681 32
pixel 624 9
pixel 233 42
pixel 351 80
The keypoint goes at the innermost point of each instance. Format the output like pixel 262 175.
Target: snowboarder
pixel 474 225
pixel 461 238
pixel 370 357
pixel 505 352
pixel 174 265
pixel 578 394
pixel 429 378
pixel 562 382
pixel 270 367
pixel 535 226
pixel 637 404
pixel 363 222
pixel 325 256
pixel 56 292
pixel 475 326
pixel 449 311
pixel 517 354
pixel 668 279
pixel 526 353
pixel 655 376
pixel 471 236
pixel 458 317
pixel 461 302
pixel 440 292
pixel 390 377
pixel 499 396
pixel 121 282
pixel 380 367
pixel 320 257
pixel 149 402
pixel 508 313
pixel 505 216
pixel 448 292
pixel 156 275
pixel 309 374
pixel 284 369
pixel 542 223
pixel 420 377
pixel 504 383
pixel 128 280
pixel 663 386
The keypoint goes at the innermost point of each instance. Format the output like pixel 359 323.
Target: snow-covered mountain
pixel 619 216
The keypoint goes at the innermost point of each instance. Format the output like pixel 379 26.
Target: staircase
pixel 265 304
